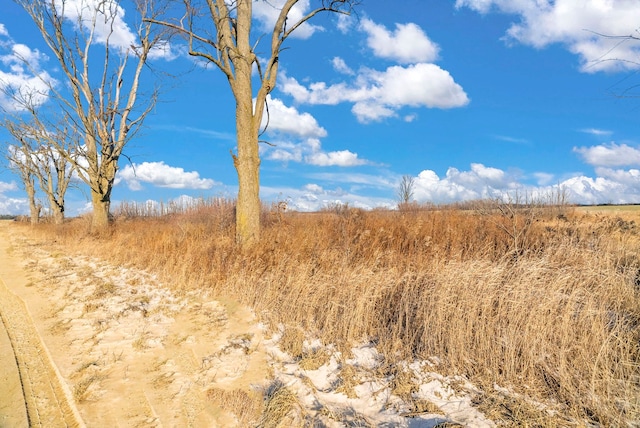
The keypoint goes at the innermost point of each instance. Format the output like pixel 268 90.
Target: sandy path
pixel 46 398
pixel 13 410
pixel 129 351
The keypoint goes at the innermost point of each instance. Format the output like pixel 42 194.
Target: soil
pixel 95 345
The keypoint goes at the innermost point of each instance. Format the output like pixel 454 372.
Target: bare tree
pixel 230 47
pixel 17 157
pixel 406 189
pixel 102 63
pixel 44 153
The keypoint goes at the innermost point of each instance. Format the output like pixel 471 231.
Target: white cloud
pixel 377 95
pixel 341 67
pixel 106 15
pixel 7 187
pixel 608 186
pixel 609 154
pixel 601 190
pixel 106 18
pixel 296 138
pixel 345 23
pixel 544 178
pixel 289 120
pixel 380 94
pixel 22 79
pixel 479 183
pixel 313 197
pixel 10 205
pixel 578 24
pixel 13 206
pixel 339 158
pixel 407 44
pixel 509 139
pixel 161 175
pixel 267 12
pixel 310 151
pixel 596 132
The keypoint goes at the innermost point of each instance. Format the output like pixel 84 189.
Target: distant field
pixel 610 208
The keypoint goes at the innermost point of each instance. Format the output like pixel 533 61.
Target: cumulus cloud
pixel 479 183
pixel 7 187
pixel 344 23
pixel 295 137
pixel 22 78
pixel 267 12
pixel 288 120
pixel 338 158
pixel 314 197
pixel 107 16
pixel 577 24
pixel 377 95
pixel 341 67
pixel 10 205
pixel 407 44
pixel 310 151
pixel 603 190
pixel 611 154
pixel 380 94
pixel 162 175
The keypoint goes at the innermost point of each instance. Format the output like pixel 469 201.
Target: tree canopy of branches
pixel 102 64
pixel 220 32
pixel 18 156
pixel 42 154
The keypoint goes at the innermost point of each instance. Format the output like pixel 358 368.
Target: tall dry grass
pixel 551 312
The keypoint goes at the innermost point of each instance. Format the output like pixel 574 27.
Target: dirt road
pixel 121 348
pixel 35 394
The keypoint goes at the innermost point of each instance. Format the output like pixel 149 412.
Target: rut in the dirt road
pixel 47 402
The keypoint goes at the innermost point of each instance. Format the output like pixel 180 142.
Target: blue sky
pixel 473 98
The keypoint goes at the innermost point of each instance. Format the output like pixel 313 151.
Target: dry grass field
pixel 538 306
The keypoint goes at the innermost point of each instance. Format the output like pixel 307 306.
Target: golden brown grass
pixel 543 302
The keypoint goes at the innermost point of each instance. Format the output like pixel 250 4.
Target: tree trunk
pixel 101 205
pixel 101 202
pixel 57 211
pixel 247 164
pixel 101 186
pixel 34 208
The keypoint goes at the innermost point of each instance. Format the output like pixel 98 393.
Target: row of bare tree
pixel 79 128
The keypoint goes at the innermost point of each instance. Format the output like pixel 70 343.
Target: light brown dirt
pixel 126 350
pixel 46 400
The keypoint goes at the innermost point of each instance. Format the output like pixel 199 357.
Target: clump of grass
pixel 292 342
pixel 314 359
pixel 349 378
pixel 543 301
pixel 511 411
pixel 281 408
pixel 246 406
pixel 103 288
pixel 81 390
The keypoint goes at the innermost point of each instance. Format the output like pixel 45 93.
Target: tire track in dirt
pixel 47 402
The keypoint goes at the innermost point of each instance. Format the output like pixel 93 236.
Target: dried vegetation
pixel 543 301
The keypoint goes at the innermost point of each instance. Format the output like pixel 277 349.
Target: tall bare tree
pixel 219 31
pixel 17 156
pixel 46 154
pixel 102 62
